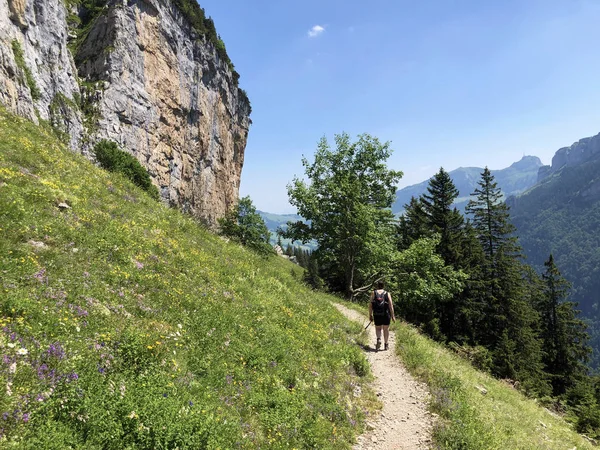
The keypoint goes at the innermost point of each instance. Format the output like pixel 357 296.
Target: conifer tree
pixel 442 218
pixel 508 325
pixel 565 339
pixel 413 224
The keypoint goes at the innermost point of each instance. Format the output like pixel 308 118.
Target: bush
pixel 113 159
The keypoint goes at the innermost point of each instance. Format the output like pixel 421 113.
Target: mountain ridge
pixel 516 178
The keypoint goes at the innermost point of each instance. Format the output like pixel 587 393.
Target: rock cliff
pixel 584 150
pixel 138 73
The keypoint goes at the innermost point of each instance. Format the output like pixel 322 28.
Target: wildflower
pixel 74 376
pixel 12 368
pixel 22 351
pixel 40 276
pixel 11 345
pixel 26 417
pixel 139 265
pixel 179 326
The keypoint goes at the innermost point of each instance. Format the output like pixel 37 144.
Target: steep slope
pixel 561 215
pixel 512 180
pixel 145 74
pixel 124 324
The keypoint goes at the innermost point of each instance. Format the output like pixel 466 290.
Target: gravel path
pixel 404 422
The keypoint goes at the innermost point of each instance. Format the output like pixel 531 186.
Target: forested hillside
pixel 561 215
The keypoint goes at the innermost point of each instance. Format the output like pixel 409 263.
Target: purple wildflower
pixel 74 376
pixel 26 417
pixel 55 350
pixel 41 275
pixel 41 371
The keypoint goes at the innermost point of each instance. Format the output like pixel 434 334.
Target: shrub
pixel 113 159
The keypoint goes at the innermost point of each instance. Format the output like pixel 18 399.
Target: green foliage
pixel 21 64
pixel 346 204
pixel 424 284
pixel 131 326
pixel 113 159
pixel 244 225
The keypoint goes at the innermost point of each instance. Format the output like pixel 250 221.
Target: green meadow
pixel 125 324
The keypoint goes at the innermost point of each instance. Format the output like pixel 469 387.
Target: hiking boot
pixel 378 346
pixel 386 347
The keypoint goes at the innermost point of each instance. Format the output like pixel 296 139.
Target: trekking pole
pixel 368 324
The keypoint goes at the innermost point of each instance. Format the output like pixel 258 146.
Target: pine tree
pixel 508 325
pixel 442 218
pixel 413 224
pixel 565 339
pixel 311 277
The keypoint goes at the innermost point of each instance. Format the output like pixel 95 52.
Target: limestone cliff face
pixel 584 150
pixel 147 81
pixel 43 82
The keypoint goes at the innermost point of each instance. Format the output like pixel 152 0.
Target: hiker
pixel 381 310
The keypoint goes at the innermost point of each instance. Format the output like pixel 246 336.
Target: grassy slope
pixel 134 327
pixel 500 419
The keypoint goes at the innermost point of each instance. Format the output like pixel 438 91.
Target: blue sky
pixel 450 82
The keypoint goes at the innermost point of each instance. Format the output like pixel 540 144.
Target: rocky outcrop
pixel 580 152
pixel 146 80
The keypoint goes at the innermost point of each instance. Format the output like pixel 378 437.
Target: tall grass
pixel 124 324
pixel 476 411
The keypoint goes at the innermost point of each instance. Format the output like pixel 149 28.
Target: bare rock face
pixel 169 100
pixel 153 85
pixel 41 83
pixel 580 152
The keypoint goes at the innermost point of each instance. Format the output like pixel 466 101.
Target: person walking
pixel 381 311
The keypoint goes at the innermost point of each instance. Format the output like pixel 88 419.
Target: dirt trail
pixel 404 422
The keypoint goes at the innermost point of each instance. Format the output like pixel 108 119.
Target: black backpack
pixel 381 306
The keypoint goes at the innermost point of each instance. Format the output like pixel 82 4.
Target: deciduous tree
pixel 346 200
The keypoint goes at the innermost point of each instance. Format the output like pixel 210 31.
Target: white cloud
pixel 315 31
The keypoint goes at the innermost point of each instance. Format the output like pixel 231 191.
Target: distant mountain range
pixel 275 221
pixel 513 180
